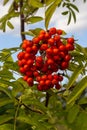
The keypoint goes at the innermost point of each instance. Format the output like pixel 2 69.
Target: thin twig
pixel 16 114
pixel 27 107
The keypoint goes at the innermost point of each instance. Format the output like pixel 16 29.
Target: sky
pixel 11 38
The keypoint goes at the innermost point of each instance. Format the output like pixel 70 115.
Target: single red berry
pixel 36 73
pixel 38 78
pixel 70 40
pixel 28 49
pixel 45 67
pixel 26 67
pixel 30 81
pixel 44 77
pixel 42 32
pixel 20 63
pixel 25 77
pixel 62 48
pixel 51 41
pixel 30 62
pixel 54 81
pixel 56 58
pixel 39 59
pixel 62 54
pixel 20 55
pixel 55 76
pixel 64 65
pixel 52 31
pixel 48 82
pixel 22 70
pixel 67 57
pixel 49 51
pixel 42 83
pixel 39 87
pixel 59 31
pixel 60 77
pixel 58 86
pixel 50 62
pixel 47 36
pixel 27 55
pixel 69 47
pixel 44 47
pixel 36 40
pixel 56 38
pixel 55 51
pixel 41 36
pixel 34 49
pixel 50 76
pixel 29 73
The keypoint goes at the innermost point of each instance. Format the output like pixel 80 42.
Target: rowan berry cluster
pixel 43 57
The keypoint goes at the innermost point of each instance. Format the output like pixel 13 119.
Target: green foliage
pixel 23 107
pixel 49 12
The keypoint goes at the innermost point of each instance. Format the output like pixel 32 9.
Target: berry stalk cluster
pixel 43 57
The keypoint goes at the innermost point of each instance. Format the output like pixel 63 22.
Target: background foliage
pixel 22 107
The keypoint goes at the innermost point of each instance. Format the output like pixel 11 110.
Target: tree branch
pixel 22 25
pixel 47 99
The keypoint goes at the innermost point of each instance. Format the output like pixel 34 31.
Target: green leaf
pixel 81 121
pixel 74 15
pixel 81 49
pixel 49 12
pixel 69 19
pixel 6 74
pixel 4 101
pixel 65 12
pixel 26 119
pixel 48 2
pixel 6 91
pixel 35 3
pixel 6 127
pixel 10 25
pixel 5 118
pixel 74 7
pixel 77 90
pixel 82 101
pixel 72 113
pixel 35 31
pixel 5 2
pixel 34 19
pixel 74 76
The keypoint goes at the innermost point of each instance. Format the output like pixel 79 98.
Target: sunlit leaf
pixel 74 76
pixel 77 90
pixel 10 25
pixel 5 101
pixel 5 118
pixel 72 113
pixel 5 2
pixel 35 3
pixel 6 127
pixel 49 12
pixel 6 91
pixel 49 2
pixel 35 31
pixel 34 19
